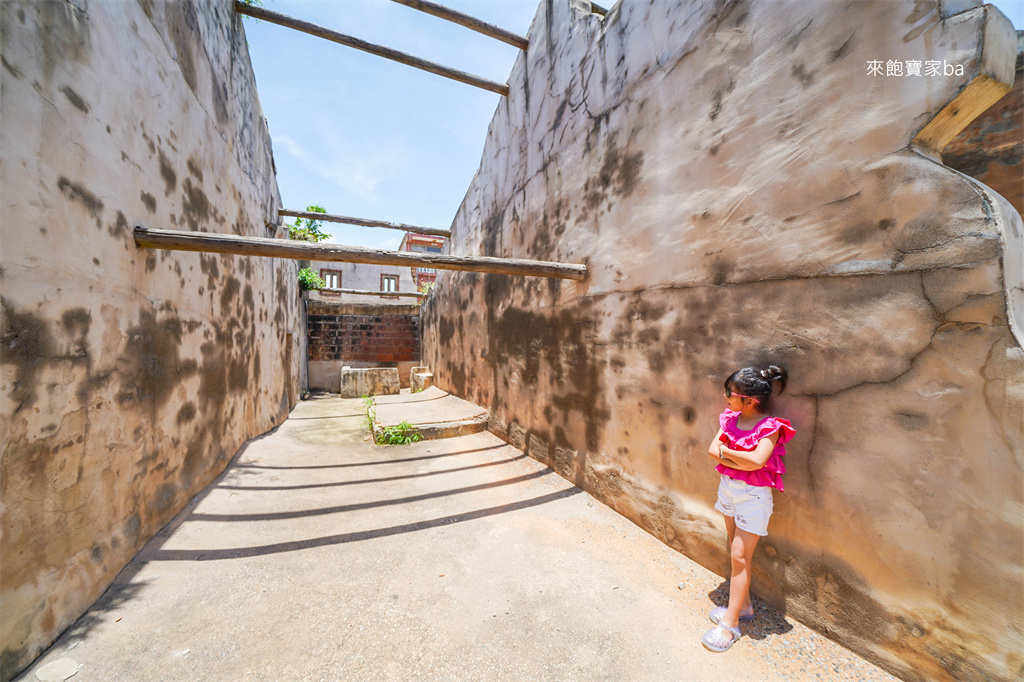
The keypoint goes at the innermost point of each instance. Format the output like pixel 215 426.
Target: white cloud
pixel 290 146
pixel 358 174
pixel 361 174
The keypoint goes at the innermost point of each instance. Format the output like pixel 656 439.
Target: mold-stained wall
pixel 743 189
pixel 129 378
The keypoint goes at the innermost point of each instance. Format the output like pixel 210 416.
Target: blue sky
pixel 367 137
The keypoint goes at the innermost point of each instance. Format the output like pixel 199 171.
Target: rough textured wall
pixel 991 149
pixel 743 191
pixel 129 378
pixel 360 335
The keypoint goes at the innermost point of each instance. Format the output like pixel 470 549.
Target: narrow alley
pixel 320 556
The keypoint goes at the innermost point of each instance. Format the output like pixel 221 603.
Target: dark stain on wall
pixel 716 105
pixel 168 174
pixel 27 345
pixel 81 194
pixel 842 50
pixel 187 413
pixel 193 167
pixel 492 232
pixel 120 228
pixel 228 293
pixel 801 74
pixel 219 94
pixel 184 28
pixel 562 341
pixel 195 204
pixel 150 367
pixel 75 99
pixel 149 201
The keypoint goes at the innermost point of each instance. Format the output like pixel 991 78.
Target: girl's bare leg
pixel 741 549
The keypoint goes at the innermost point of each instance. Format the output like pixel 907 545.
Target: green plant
pixel 310 280
pixel 370 413
pixel 308 229
pixel 401 434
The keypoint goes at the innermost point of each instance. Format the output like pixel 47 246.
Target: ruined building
pixel 742 186
pixel 743 190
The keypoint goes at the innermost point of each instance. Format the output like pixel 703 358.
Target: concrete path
pixel 320 556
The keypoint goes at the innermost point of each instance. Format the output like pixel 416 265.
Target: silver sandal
pixel 720 638
pixel 716 614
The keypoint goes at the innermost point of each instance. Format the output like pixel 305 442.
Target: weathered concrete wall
pixel 991 148
pixel 129 378
pixel 742 191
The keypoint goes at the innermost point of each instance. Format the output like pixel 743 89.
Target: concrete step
pixel 432 412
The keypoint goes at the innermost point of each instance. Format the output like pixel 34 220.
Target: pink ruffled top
pixel 770 475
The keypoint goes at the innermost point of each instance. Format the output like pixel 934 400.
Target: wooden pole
pixel 298 250
pixel 367 292
pixel 366 222
pixel 469 22
pixel 379 50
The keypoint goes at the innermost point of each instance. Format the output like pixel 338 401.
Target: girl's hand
pixel 754 459
pixel 713 448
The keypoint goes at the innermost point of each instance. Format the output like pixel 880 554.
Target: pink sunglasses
pixel 730 393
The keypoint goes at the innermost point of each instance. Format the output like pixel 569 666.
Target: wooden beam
pixel 597 9
pixel 298 250
pixel 469 22
pixel 367 292
pixel 379 50
pixel 365 222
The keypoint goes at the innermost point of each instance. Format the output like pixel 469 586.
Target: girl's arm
pixel 754 459
pixel 713 453
pixel 713 448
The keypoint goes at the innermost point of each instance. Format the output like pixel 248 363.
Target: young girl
pixel 748 451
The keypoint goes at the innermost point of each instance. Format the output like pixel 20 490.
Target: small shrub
pixel 310 281
pixel 401 434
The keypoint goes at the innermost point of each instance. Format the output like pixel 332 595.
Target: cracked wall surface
pixel 129 377
pixel 742 191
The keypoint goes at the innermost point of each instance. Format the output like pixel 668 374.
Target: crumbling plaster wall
pixel 129 378
pixel 742 191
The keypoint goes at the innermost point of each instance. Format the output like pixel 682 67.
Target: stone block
pixel 370 381
pixel 422 379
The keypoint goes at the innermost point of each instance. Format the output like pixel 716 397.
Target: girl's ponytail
pixel 775 374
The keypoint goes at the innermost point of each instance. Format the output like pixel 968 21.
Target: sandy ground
pixel 320 556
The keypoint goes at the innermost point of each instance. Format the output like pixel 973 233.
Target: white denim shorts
pixel 750 505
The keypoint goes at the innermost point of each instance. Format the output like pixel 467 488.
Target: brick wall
pixel 363 334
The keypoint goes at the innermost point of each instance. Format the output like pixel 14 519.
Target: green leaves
pixel 309 280
pixel 308 229
pixel 402 433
